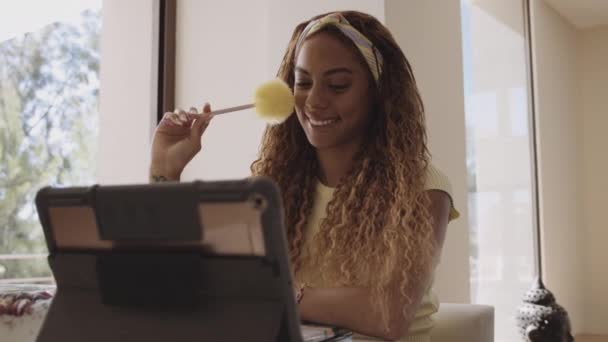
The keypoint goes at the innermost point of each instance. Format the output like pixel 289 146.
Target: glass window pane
pixel 498 158
pixel 49 85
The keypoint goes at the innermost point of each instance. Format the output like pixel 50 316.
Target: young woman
pixel 366 212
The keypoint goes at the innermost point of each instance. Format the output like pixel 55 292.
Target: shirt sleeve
pixel 437 180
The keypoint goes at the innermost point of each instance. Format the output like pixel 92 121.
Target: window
pixel 498 158
pixel 49 85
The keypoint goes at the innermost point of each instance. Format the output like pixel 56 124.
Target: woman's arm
pixel 351 308
pixel 176 140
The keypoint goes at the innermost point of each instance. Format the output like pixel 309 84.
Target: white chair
pixel 463 322
pixel 457 323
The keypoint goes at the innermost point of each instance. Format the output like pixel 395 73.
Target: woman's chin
pixel 321 144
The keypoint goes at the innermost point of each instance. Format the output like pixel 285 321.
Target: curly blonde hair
pixel 377 232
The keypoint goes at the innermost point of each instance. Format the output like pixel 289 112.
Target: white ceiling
pixel 582 13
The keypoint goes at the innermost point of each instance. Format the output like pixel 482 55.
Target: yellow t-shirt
pixel 423 321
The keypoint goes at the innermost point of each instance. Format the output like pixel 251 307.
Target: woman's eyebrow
pixel 337 70
pixel 327 72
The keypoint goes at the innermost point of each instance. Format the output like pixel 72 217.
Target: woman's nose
pixel 316 98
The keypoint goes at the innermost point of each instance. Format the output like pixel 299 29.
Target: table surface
pixel 23 308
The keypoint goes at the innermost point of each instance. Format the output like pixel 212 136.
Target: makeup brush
pixel 273 102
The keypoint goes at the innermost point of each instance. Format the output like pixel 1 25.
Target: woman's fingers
pixel 207 108
pixel 182 116
pixel 178 118
pixel 171 118
pixel 202 121
pixel 193 114
pixel 196 122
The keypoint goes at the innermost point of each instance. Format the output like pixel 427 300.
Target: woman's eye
pixel 339 87
pixel 302 84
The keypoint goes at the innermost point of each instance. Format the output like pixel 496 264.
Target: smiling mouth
pixel 321 123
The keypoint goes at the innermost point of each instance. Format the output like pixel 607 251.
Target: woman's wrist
pixel 300 293
pixel 159 173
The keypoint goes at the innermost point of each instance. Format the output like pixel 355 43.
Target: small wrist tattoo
pixel 158 178
pixel 300 293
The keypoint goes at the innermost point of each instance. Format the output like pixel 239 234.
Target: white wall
pixel 286 14
pixel 127 94
pixel 593 82
pixel 436 57
pixel 560 159
pixel 222 63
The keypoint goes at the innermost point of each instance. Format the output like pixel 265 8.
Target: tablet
pixel 197 261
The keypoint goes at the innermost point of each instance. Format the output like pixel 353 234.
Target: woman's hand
pixel 176 141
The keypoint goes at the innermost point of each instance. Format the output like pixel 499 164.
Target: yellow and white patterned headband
pixel 370 53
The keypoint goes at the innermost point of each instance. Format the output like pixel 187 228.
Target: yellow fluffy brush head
pixel 274 101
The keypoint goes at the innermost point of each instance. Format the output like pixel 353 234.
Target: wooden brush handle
pixel 232 109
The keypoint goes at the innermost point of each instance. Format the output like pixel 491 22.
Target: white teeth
pixel 321 123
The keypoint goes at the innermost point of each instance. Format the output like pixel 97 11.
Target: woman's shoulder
pixel 437 180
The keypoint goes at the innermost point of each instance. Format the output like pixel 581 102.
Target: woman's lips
pixel 321 122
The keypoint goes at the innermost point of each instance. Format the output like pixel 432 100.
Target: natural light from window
pixel 49 86
pixel 498 158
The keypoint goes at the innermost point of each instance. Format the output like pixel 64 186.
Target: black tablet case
pixel 150 291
